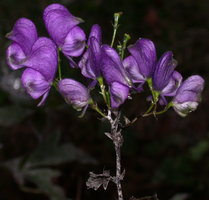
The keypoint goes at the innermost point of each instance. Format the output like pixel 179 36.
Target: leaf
pixel 43 179
pixel 198 151
pixel 50 153
pixel 96 180
pixel 13 114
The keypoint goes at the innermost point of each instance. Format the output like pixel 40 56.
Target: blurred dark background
pixel 47 153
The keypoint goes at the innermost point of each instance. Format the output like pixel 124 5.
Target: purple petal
pixel 85 67
pixel 118 94
pixel 112 67
pixel 34 83
pixel 74 42
pixel 43 58
pixel 58 21
pixel 74 93
pixel 164 70
pixel 144 53
pixel 131 67
pixel 24 33
pixel 190 90
pixel 94 51
pixel 15 56
pixel 96 32
pixel 173 84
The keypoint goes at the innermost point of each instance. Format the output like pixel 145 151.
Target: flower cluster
pixel 98 62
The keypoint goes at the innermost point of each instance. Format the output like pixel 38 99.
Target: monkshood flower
pixel 74 93
pixel 188 96
pixel 91 60
pixel 115 75
pixel 141 63
pixel 165 80
pixel 37 55
pixel 23 37
pixel 62 28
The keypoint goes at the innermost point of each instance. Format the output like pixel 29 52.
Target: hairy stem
pixel 117 141
pixel 118 172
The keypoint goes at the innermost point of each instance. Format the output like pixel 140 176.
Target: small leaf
pixel 96 180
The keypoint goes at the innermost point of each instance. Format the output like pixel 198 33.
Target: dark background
pixel 167 156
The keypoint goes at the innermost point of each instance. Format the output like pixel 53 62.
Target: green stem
pixel 165 109
pixel 103 92
pixel 115 26
pixel 96 108
pixel 126 38
pixel 149 109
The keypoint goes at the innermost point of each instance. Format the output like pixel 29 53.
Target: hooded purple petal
pixel 74 42
pixel 34 83
pixel 15 56
pixel 24 33
pixel 112 67
pixel 91 60
pixel 144 53
pixel 74 93
pixel 118 94
pixel 188 95
pixel 173 84
pixel 58 21
pixel 131 67
pixel 43 58
pixel 190 89
pixel 96 32
pixel 163 71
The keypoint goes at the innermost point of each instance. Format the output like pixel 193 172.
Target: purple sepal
pixel 132 68
pixel 43 58
pixel 74 93
pixel 24 33
pixel 144 53
pixel 163 71
pixel 74 42
pixel 59 21
pixel 15 56
pixel 35 84
pixel 91 60
pixel 188 95
pixel 112 67
pixel 118 94
pixel 96 32
pixel 173 84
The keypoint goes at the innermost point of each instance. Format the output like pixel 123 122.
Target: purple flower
pixel 165 80
pixel 163 71
pixel 187 96
pixel 115 75
pixel 23 37
pixel 91 60
pixel 171 88
pixel 63 29
pixel 132 68
pixel 144 54
pixel 38 55
pixel 74 93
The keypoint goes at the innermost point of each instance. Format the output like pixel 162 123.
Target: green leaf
pixel 43 179
pixel 198 151
pixel 50 153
